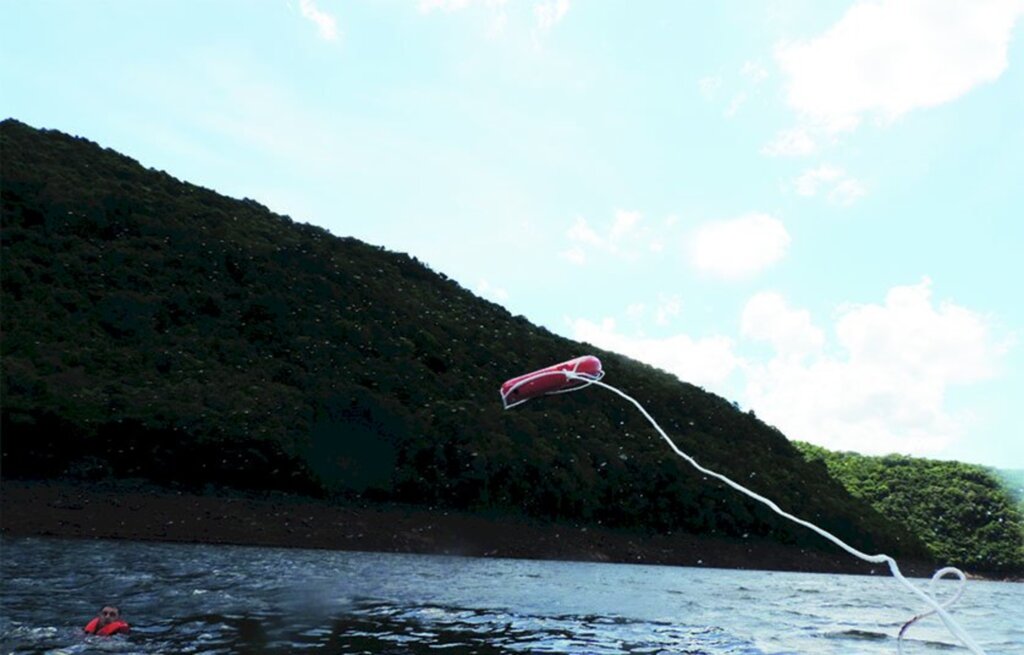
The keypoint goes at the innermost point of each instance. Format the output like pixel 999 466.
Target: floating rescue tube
pixel 112 628
pixel 560 378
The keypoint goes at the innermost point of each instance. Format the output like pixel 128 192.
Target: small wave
pixel 464 630
pixel 870 635
pixel 867 635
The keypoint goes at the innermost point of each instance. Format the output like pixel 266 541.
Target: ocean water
pixel 183 598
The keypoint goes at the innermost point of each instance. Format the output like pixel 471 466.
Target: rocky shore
pixel 138 512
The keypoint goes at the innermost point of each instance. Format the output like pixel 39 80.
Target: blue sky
pixel 810 208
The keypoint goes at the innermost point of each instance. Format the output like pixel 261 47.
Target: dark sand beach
pixel 139 512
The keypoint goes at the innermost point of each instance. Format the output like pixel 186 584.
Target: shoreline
pixel 138 512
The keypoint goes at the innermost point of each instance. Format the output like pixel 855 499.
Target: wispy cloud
pixel 325 23
pixel 738 247
pixel 546 14
pixel 837 186
pixel 624 224
pixel 549 13
pixel 664 311
pixel 810 181
pixel 751 75
pixel 624 237
pixel 737 101
pixel 487 290
pixel 447 5
pixel 886 58
pixel 668 308
pixel 795 142
pixel 496 9
pixel 847 191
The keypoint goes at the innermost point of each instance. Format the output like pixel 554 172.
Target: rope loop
pixel 949 602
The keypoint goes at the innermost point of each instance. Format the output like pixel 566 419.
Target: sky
pixel 814 209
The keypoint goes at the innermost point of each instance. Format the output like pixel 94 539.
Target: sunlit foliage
pixel 963 512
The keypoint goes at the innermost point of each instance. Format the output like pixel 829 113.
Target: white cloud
pixel 550 13
pixel 625 237
pixel 767 317
pixel 877 382
pixel 885 390
pixel 581 232
pixel 706 362
pixel 811 180
pixel 840 188
pixel 847 191
pixel 664 311
pixel 325 22
pixel 947 343
pixel 752 73
pixel 624 223
pixel 668 308
pixel 738 247
pixel 796 142
pixel 485 289
pixel 888 57
pixel 576 255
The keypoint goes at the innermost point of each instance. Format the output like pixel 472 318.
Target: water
pixel 183 598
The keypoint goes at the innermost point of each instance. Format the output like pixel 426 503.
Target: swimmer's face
pixel 109 614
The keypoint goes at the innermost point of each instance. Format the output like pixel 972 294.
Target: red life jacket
pixel 112 628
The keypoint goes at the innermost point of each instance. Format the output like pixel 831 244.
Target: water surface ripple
pixel 184 598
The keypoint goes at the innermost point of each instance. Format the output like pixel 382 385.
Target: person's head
pixel 109 614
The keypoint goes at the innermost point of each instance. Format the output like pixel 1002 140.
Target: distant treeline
pixel 154 329
pixel 963 512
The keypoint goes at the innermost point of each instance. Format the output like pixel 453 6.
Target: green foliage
pixel 155 329
pixel 963 512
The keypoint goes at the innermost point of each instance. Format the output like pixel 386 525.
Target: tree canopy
pixel 964 513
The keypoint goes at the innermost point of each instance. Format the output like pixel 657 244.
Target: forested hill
pixel 154 329
pixel 966 514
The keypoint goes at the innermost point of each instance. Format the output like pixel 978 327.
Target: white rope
pixel 934 606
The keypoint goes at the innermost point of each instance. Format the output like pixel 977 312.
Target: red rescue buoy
pixel 112 628
pixel 567 376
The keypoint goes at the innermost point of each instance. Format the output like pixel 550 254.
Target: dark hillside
pixel 154 329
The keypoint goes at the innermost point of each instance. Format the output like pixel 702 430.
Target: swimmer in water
pixel 107 622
